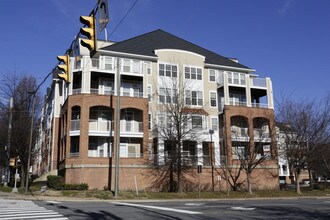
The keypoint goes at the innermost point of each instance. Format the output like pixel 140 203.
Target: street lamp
pixel 211 132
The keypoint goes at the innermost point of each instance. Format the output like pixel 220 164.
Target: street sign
pixel 103 14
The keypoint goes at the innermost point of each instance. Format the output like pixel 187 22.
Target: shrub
pixel 81 186
pixel 54 182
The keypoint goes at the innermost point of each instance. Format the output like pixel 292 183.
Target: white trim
pixel 178 50
pixel 216 74
pixel 216 98
pixel 208 65
pixel 127 55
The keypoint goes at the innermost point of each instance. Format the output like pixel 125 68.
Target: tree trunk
pixel 22 177
pixel 297 176
pixel 248 174
pixel 171 178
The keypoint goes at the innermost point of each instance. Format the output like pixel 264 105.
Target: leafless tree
pixel 250 149
pixel 19 87
pixel 177 128
pixel 307 123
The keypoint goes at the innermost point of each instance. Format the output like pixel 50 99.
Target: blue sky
pixel 286 40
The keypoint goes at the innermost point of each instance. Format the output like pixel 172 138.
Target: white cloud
pixel 61 7
pixel 286 6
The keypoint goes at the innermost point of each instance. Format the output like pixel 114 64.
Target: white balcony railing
pixel 259 82
pixel 99 125
pixel 75 125
pixel 131 127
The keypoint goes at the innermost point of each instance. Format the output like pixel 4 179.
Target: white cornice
pixel 128 55
pixel 229 67
pixel 182 51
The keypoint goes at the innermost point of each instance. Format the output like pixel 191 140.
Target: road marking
pixel 20 209
pixel 160 208
pixel 53 202
pixel 242 208
pixel 194 204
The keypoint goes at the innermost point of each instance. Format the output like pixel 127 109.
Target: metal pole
pixel 117 130
pixel 30 144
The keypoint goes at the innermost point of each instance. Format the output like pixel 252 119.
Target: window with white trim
pixel 148 67
pixel 168 70
pixel 136 66
pixel 108 63
pixel 167 95
pixel 193 73
pixel 149 121
pixel 149 91
pixel 214 124
pixel 194 97
pixel 161 95
pixel 126 65
pixel 213 99
pixel 212 75
pixel 197 121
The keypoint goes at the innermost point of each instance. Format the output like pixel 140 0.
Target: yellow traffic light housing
pixel 65 67
pixel 89 32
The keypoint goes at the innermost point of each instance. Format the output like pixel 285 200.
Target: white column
pixel 86 74
pixel 270 99
pixel 248 90
pixel 226 88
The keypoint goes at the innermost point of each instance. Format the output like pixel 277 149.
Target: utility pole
pixel 117 130
pixel 30 144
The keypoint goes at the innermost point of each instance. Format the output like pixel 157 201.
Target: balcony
pixel 239 134
pixel 100 125
pixel 258 82
pixel 261 134
pixel 131 128
pixel 75 125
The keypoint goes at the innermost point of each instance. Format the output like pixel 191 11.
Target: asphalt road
pixel 217 209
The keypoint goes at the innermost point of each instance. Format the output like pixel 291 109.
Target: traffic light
pixel 89 32
pixel 65 67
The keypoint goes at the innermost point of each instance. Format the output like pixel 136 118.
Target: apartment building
pixel 229 105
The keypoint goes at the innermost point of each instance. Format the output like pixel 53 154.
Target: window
pixel 212 75
pixel 213 99
pixel 187 72
pixel 136 66
pixel 149 91
pixel 161 120
pixel 174 71
pixel 239 153
pixel 108 63
pixel 197 122
pixel 161 70
pixel 188 97
pixel 168 70
pixel 168 96
pixel 193 73
pixel 200 97
pixel 149 121
pixel 126 65
pixel 199 74
pixel 194 97
pixel 148 67
pixel 214 124
pixel 162 95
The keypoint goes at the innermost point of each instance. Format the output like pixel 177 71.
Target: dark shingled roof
pixel 146 44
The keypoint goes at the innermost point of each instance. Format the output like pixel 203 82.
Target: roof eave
pixel 229 67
